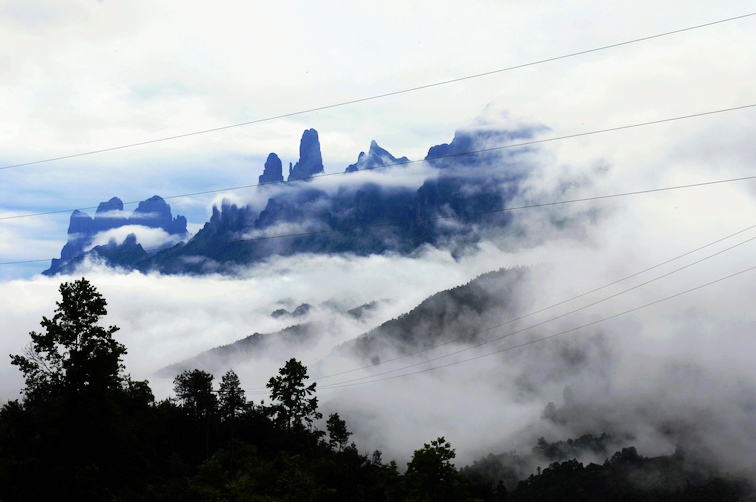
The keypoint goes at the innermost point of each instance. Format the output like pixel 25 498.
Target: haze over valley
pixel 585 292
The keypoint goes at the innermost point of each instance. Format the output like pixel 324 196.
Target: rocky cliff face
pixel 484 142
pixel 357 219
pixel 376 157
pixel 310 159
pixel 156 213
pixel 82 229
pixel 469 189
pixel 273 170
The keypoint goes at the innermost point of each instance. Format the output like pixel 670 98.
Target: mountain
pixel 459 203
pixel 273 170
pixel 129 254
pixel 258 345
pixel 624 475
pixel 152 213
pixel 376 157
pixel 310 160
pixel 457 314
pixel 358 218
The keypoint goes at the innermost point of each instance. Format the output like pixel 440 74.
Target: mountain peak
pixel 82 229
pixel 376 157
pixel 272 171
pixel 114 204
pixel 310 158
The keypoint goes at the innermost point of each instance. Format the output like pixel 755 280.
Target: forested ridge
pixel 85 430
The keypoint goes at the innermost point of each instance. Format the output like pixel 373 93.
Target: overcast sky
pixel 88 75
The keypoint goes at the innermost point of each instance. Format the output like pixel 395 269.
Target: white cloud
pixel 93 75
pixel 149 238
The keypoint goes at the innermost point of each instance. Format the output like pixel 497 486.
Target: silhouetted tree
pixel 295 408
pixel 337 431
pixel 195 391
pixel 231 398
pixel 230 395
pixel 76 421
pixel 74 353
pixel 431 474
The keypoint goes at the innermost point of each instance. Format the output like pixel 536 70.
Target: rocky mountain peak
pixel 113 205
pixel 310 158
pixel 272 171
pixel 156 213
pixel 375 157
pixel 82 229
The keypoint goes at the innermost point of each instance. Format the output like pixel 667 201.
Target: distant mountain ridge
pixel 295 337
pixel 82 230
pixel 376 157
pixel 360 219
pixel 456 314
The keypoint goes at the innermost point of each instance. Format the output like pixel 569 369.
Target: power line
pixel 557 317
pixel 553 318
pixel 529 314
pixel 320 378
pixel 537 340
pixel 484 150
pixel 403 222
pixel 377 96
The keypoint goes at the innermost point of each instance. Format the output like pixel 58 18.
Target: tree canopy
pixel 431 474
pixel 84 431
pixel 337 431
pixel 295 409
pixel 195 391
pixel 230 395
pixel 73 353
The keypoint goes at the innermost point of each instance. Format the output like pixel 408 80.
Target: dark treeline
pixel 84 430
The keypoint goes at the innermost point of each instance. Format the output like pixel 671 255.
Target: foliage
pixel 75 438
pixel 195 391
pixel 73 354
pixel 565 450
pixel 75 422
pixel 431 474
pixel 295 408
pixel 632 477
pixel 230 395
pixel 337 432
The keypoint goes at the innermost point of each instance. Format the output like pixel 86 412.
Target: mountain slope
pixel 459 313
pixel 458 204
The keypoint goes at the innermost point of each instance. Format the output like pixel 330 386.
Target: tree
pixel 337 431
pixel 431 474
pixel 295 408
pixel 195 391
pixel 230 395
pixel 79 422
pixel 74 353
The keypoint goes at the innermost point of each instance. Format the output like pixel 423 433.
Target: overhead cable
pixel 561 316
pixel 538 340
pixel 377 96
pixel 492 149
pixel 402 222
pixel 532 313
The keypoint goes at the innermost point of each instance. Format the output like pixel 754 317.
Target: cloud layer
pixel 121 75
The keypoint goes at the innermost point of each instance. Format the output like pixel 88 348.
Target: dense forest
pixel 85 430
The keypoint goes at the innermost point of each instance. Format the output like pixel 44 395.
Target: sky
pixel 81 76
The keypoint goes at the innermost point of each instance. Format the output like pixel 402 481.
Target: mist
pixel 677 374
